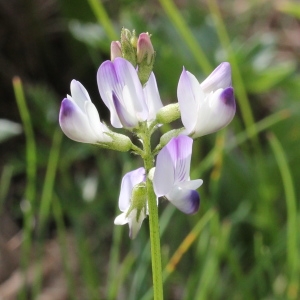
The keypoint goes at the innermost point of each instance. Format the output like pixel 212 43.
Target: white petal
pixel 121 219
pixel 182 153
pixel 127 75
pixel 79 93
pixel 107 82
pixel 220 78
pixel 172 164
pixel 218 111
pixel 120 78
pixel 152 97
pixel 96 126
pixel 189 96
pixel 164 174
pixel 74 123
pixel 190 184
pixel 134 223
pixel 128 182
pixel 129 114
pixel 187 201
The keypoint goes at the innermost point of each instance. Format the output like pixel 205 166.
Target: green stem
pixel 153 221
pixel 291 206
pixel 31 169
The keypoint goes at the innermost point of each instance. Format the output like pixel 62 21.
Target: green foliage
pixel 248 246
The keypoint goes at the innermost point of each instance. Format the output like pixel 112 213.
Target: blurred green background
pixel 58 198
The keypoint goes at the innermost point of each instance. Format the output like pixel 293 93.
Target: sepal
pixel 128 46
pixel 120 142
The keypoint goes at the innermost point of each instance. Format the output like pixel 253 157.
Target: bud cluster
pixel 137 50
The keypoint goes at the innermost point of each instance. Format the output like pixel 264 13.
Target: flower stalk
pixel 153 220
pixel 128 88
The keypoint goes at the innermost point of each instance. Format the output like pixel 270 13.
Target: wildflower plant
pixel 127 86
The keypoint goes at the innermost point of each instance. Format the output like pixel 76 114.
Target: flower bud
pixel 145 57
pixel 165 138
pixel 128 46
pixel 119 142
pixel 144 48
pixel 139 196
pixel 168 113
pixel 115 50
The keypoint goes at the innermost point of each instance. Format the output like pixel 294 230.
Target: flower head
pixel 132 201
pixel 209 106
pixel 122 92
pixel 172 175
pixel 79 118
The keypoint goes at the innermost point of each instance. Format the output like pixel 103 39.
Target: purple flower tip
pixel 227 96
pixel 194 202
pixel 66 109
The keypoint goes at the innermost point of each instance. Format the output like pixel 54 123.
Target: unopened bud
pixel 144 48
pixel 120 142
pixel 145 57
pixel 168 113
pixel 115 50
pixel 138 199
pixel 139 196
pixel 128 50
pixel 165 138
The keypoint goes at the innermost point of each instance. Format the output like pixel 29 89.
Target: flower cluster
pixel 129 90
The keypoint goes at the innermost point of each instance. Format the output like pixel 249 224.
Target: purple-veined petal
pixel 220 78
pixel 188 201
pixel 133 88
pixel 108 84
pixel 129 180
pixel 152 97
pixel 124 117
pixel 189 96
pixel 172 164
pixel 183 145
pixel 74 123
pixel 217 112
pixel 119 78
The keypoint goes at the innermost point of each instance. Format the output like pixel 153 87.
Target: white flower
pixel 132 201
pixel 122 92
pixel 79 118
pixel 172 175
pixel 209 106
